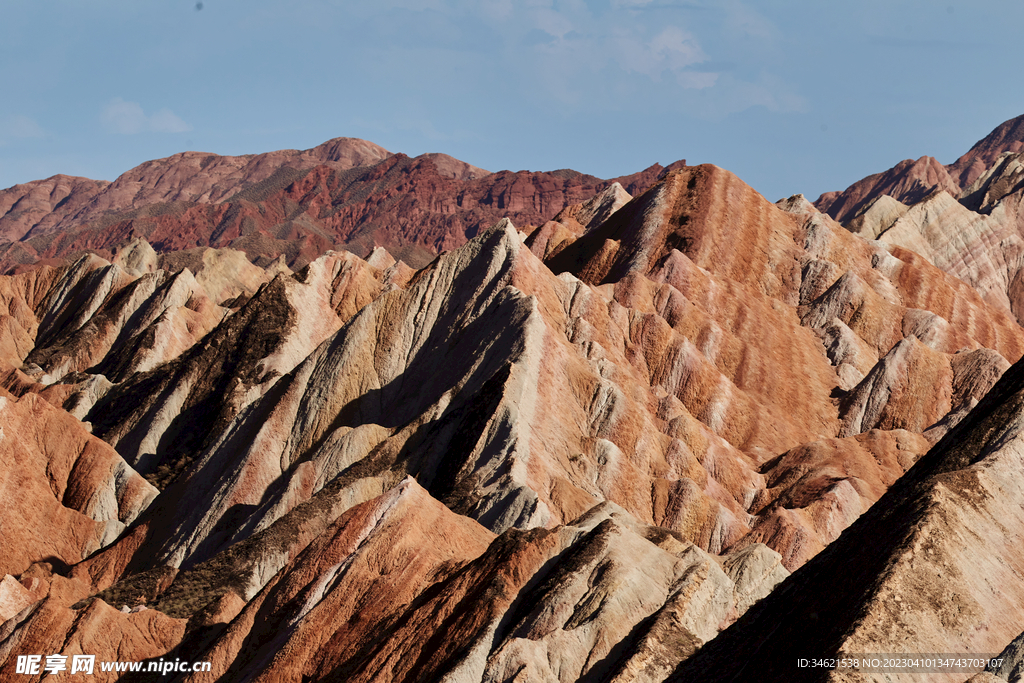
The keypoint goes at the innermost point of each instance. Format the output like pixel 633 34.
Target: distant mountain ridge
pixel 344 193
pixel 58 203
pixel 966 218
pixel 1006 137
pixel 911 181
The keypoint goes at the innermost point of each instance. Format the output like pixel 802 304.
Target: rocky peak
pixel 1006 137
pixel 908 182
pixel 345 193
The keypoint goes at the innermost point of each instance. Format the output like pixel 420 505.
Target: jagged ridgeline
pixel 344 415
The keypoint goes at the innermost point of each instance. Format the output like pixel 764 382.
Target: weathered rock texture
pixel 1007 137
pixel 1010 662
pixel 345 193
pixel 552 604
pixel 65 493
pixel 934 566
pixel 575 452
pixel 908 181
pixel 912 181
pixel 55 204
pixel 969 222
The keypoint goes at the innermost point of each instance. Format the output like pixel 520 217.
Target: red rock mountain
pixel 908 182
pixel 43 206
pixel 966 218
pixel 663 437
pixel 1007 137
pixel 345 193
pixel 912 181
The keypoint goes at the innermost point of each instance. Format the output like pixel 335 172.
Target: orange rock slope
pixel 578 453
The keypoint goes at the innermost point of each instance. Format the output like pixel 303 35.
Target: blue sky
pixel 792 96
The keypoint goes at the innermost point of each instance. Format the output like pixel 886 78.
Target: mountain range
pixel 347 415
pixel 344 194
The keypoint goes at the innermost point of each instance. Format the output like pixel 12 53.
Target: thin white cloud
pixel 617 55
pixel 736 95
pixel 19 128
pixel 697 80
pixel 166 121
pixel 746 21
pixel 602 63
pixel 707 59
pixel 630 4
pixel 550 21
pixel 672 49
pixel 128 118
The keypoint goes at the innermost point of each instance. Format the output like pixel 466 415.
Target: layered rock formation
pixel 1007 137
pixel 55 204
pixel 297 204
pixel 908 182
pixel 934 567
pixel 542 605
pixel 66 493
pixel 966 218
pixel 912 181
pixel 587 450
